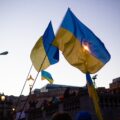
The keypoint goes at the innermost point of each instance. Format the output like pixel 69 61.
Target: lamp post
pixel 3 103
pixel 31 81
pixel 4 53
pixel 2 97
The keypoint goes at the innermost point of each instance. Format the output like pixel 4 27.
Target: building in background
pixel 42 103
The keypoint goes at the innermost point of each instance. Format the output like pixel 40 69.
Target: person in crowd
pixel 61 116
pixel 83 115
pixel 55 100
pixel 67 93
pixel 20 115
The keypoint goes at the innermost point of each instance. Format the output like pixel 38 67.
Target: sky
pixel 22 22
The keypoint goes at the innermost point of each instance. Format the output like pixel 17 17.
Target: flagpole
pixel 35 77
pixel 91 89
pixel 93 94
pixel 23 87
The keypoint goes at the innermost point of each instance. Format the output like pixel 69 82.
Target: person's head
pixel 61 116
pixel 83 115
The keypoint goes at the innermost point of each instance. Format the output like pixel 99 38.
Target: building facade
pixel 44 102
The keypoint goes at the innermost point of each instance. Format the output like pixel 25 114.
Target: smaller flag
pixel 44 53
pixel 30 78
pixel 46 75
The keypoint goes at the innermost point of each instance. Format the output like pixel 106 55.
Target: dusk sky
pixel 22 22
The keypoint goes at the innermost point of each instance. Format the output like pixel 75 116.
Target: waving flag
pixel 83 50
pixel 44 53
pixel 80 46
pixel 46 75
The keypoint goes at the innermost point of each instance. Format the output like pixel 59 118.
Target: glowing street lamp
pixel 13 109
pixel 2 97
pixel 3 103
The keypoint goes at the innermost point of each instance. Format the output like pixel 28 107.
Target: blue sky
pixel 22 22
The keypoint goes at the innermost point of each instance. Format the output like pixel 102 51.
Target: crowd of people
pixel 82 115
pixel 51 106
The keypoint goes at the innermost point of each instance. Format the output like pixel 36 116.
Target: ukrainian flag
pixel 46 75
pixel 44 53
pixel 80 46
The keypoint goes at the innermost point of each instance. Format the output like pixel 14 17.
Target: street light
pixel 4 53
pixel 3 103
pixel 13 109
pixel 2 97
pixel 31 81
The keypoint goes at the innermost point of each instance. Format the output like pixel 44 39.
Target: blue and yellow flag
pixel 80 46
pixel 46 75
pixel 44 53
pixel 83 50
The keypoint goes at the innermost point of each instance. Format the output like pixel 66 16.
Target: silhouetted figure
pixel 73 94
pixel 32 104
pixel 44 105
pixel 20 115
pixel 61 116
pixel 67 93
pixel 55 100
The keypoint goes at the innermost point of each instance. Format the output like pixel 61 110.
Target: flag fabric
pixel 83 50
pixel 46 75
pixel 80 46
pixel 44 53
